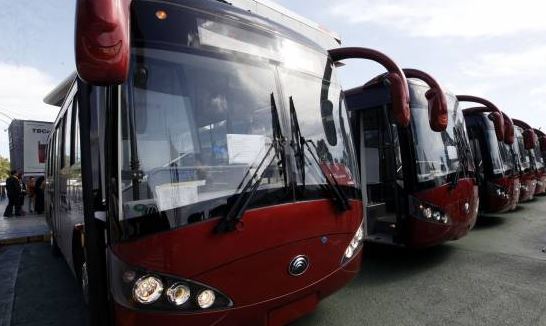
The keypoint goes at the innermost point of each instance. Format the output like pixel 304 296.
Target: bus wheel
pixel 84 282
pixel 80 267
pixel 55 251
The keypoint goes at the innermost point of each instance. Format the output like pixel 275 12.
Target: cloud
pixel 539 91
pixel 22 89
pixel 458 18
pixel 521 63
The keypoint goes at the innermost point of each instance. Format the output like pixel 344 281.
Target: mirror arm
pixel 399 84
pixel 529 136
pixel 489 106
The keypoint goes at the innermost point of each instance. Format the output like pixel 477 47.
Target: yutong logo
pixel 298 265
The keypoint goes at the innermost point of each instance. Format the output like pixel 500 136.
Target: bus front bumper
pixel 278 311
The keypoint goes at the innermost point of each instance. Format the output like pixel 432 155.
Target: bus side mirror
pixel 437 108
pixel 508 130
pixel 437 101
pixel 529 138
pixel 102 38
pixel 498 122
pixel 326 112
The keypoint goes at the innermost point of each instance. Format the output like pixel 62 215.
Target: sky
pixel 490 48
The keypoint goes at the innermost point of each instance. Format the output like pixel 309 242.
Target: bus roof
pixel 57 95
pixel 281 15
pixel 264 8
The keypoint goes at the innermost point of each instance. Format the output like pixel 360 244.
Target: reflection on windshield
pixel 439 153
pixel 202 123
pixel 508 158
pixel 334 150
pixel 524 154
pixel 539 159
pixel 200 126
pixel 494 150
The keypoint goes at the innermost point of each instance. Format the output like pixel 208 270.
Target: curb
pixel 26 239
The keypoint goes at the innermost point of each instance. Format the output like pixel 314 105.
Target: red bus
pixel 201 169
pixel 532 166
pixel 491 135
pixel 540 150
pixel 418 173
pixel 510 156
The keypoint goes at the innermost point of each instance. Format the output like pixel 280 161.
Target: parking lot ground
pixel 45 293
pixel 494 276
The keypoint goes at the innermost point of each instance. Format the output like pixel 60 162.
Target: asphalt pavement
pixel 494 276
pixel 46 293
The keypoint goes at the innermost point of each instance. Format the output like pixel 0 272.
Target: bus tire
pixel 80 267
pixel 53 246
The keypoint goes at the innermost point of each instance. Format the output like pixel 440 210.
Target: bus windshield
pixel 508 158
pixel 198 120
pixel 524 154
pixel 536 160
pixel 439 154
pixel 539 159
pixel 497 165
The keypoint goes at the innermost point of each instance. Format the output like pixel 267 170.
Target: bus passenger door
pixel 382 164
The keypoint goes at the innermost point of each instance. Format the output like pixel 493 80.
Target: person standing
pixel 13 189
pixel 39 195
pixel 31 183
pixel 22 193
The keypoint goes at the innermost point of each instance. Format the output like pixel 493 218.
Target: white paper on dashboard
pixel 173 195
pixel 245 149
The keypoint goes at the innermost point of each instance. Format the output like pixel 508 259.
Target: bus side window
pixel 54 151
pixel 75 152
pixel 59 150
pixel 66 136
pixel 49 155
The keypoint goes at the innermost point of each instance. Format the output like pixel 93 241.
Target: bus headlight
pixel 498 190
pixel 355 245
pixel 141 289
pixel 427 212
pixel 178 294
pixel 206 299
pixel 147 289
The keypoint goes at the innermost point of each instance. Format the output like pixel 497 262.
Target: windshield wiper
pixel 299 143
pixel 241 200
pixel 136 173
